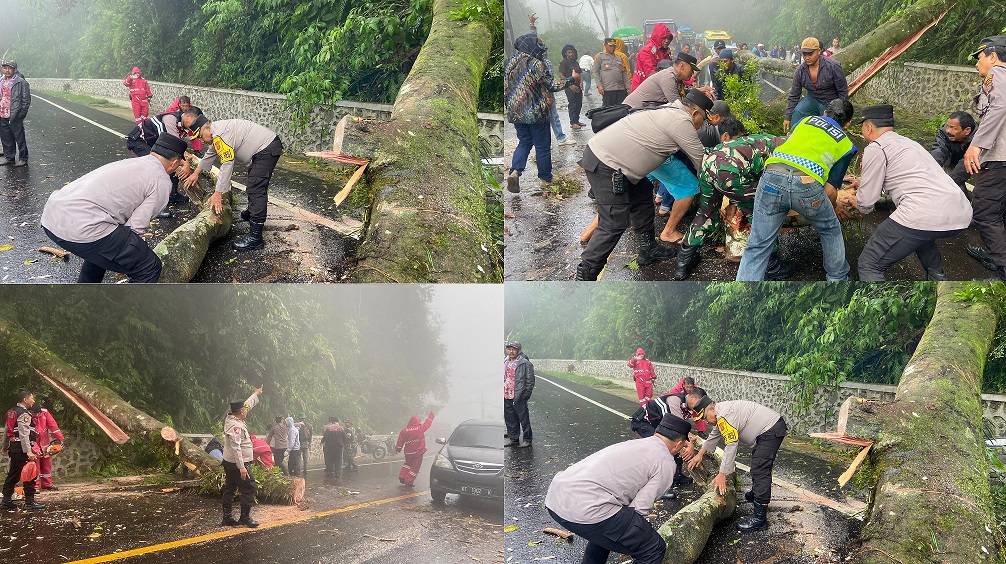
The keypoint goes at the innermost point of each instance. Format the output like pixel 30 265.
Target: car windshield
pixel 477 436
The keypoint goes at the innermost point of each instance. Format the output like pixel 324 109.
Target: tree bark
pixel 183 250
pixel 22 348
pixel 687 532
pixel 429 222
pixel 932 501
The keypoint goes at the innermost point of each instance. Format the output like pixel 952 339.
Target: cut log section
pixel 183 250
pixel 564 535
pixel 109 427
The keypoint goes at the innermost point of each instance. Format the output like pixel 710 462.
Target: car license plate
pixel 476 491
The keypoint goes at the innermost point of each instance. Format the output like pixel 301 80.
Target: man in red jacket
pixel 139 94
pixel 45 429
pixel 412 440
pixel 657 48
pixel 643 373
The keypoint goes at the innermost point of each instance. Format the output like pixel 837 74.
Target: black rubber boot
pixel 981 254
pixel 229 520
pixel 245 215
pixel 936 275
pixel 251 241
pixel 650 251
pixel 7 504
pixel 749 497
pixel 587 273
pixel 778 269
pixel 30 505
pixel 755 522
pixel 246 519
pixel 688 259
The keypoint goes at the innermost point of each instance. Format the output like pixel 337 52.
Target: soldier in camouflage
pixel 731 170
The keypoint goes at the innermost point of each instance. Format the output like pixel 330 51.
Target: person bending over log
pixel 241 141
pixel 101 216
pixel 753 424
pixel 606 497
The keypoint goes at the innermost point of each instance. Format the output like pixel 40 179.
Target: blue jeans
pixel 533 135
pixel 808 106
pixel 779 192
pixel 586 81
pixel 556 124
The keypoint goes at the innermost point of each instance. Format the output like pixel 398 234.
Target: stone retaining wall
pixel 261 107
pixel 766 389
pixel 927 88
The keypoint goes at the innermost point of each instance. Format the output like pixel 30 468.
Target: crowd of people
pixel 689 152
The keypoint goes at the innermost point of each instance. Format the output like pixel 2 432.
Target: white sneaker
pixel 566 142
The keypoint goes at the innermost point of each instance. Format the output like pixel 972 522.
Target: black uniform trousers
pixel 333 459
pixel 516 416
pixel 232 483
pixel 892 242
pixel 615 211
pixel 122 250
pixel 259 174
pixel 575 100
pixel 763 458
pixel 17 461
pixel 989 204
pixel 613 97
pixel 625 532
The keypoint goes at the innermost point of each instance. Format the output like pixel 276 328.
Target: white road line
pixel 781 91
pixel 852 509
pixel 74 114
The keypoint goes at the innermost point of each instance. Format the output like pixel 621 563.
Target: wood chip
pixel 565 535
pixel 56 252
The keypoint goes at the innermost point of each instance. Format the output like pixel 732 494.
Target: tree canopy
pixel 819 334
pixel 316 52
pixel 182 353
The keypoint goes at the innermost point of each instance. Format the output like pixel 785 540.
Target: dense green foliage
pixel 819 334
pixel 742 93
pixel 316 52
pixel 182 353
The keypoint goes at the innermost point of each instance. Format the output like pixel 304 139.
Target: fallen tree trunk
pixel 183 250
pixel 429 221
pixel 932 502
pixel 687 532
pixel 22 349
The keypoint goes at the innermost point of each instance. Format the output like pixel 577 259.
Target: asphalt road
pixel 542 233
pixel 361 517
pixel 64 144
pixel 570 424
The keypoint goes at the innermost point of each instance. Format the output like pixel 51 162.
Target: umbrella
pixel 627 31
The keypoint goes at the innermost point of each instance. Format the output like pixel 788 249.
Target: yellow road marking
pixel 237 531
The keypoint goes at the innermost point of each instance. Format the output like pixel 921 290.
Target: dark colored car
pixel 470 463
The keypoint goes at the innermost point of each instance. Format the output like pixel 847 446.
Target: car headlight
pixel 442 462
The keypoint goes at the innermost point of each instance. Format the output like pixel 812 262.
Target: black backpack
pixel 601 118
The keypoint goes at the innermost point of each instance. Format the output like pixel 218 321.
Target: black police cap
pixel 882 115
pixel 992 41
pixel 699 98
pixel 673 424
pixel 168 145
pixel 686 58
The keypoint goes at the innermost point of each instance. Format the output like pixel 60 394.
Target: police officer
pixel 616 162
pixel 19 443
pixel 803 174
pixel 742 422
pixel 238 456
pixel 986 156
pixel 142 138
pixel 606 497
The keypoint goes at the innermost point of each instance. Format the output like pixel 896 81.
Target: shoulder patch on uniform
pixel 988 83
pixel 26 418
pixel 225 151
pixel 727 431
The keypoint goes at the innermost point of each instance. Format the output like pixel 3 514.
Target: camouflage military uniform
pixel 731 170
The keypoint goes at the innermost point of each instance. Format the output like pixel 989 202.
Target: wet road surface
pixel 542 233
pixel 64 147
pixel 568 428
pixel 360 517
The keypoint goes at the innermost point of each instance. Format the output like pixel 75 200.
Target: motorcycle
pixel 377 446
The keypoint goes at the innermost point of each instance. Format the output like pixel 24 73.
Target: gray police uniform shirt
pixel 234 140
pixel 927 198
pixel 631 473
pixel 609 72
pixel 738 422
pixel 640 142
pixel 662 87
pixel 990 105
pixel 237 439
pixel 128 192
